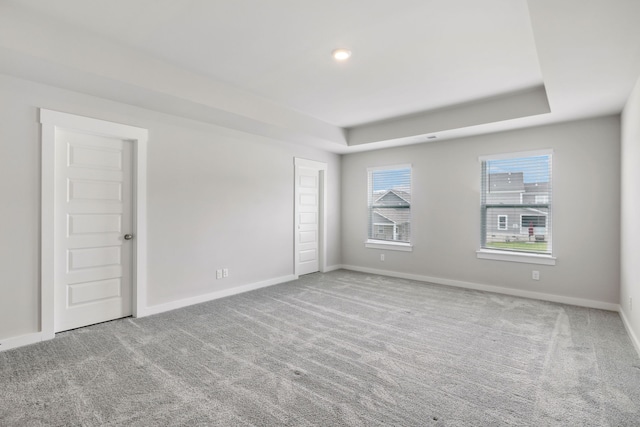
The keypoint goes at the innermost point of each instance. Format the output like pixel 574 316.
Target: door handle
pixel 128 236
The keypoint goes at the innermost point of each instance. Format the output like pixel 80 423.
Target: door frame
pixel 50 121
pixel 321 168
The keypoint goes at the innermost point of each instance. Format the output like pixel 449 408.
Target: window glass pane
pixel 518 188
pixel 502 222
pixel 390 204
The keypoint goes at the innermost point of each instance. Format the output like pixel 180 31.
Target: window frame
pixel 524 227
pixel 511 255
pixel 506 222
pixel 373 243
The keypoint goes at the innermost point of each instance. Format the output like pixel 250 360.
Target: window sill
pixel 391 246
pixel 516 257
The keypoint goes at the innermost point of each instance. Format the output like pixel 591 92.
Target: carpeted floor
pixel 334 349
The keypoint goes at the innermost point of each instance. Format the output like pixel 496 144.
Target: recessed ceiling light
pixel 341 54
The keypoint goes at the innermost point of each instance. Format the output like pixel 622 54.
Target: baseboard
pixel 173 305
pixel 20 341
pixel 632 335
pixel 489 288
pixel 331 268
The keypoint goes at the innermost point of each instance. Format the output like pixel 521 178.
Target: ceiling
pixel 421 69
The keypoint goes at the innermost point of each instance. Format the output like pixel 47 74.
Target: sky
pixel 386 179
pixel 535 169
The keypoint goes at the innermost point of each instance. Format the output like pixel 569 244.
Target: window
pixel 535 221
pixel 502 222
pixel 389 203
pixel 542 198
pixel 519 186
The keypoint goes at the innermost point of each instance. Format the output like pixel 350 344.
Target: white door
pixel 308 212
pixel 93 229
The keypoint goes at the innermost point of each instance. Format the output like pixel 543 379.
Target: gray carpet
pixel 336 349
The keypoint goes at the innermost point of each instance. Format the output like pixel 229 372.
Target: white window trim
pixel 506 222
pixel 528 258
pixel 379 168
pixel 387 245
pixel 504 156
pixel 511 256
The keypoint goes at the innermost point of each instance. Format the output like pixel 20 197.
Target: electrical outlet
pixel 535 275
pixel 381 257
pixel 219 274
pixel 225 272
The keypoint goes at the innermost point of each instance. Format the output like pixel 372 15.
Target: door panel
pixel 93 211
pixel 308 218
pixel 94 190
pixel 94 224
pixel 307 192
pixel 308 255
pixel 92 258
pixel 80 293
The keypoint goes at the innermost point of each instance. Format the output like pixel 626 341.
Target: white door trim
pixel 51 120
pixel 322 232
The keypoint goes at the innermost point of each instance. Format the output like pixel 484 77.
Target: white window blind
pixel 389 198
pixel 516 203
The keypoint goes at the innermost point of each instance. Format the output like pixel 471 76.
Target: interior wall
pixel 217 198
pixel 630 226
pixel 446 211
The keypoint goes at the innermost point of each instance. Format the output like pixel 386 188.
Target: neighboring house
pixel 391 215
pixel 525 205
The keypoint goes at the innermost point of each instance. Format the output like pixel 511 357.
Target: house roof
pixel 419 69
pixel 392 197
pixel 395 215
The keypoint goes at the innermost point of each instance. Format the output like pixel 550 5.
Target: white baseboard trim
pixel 632 335
pixel 331 268
pixel 490 288
pixel 20 341
pixel 161 308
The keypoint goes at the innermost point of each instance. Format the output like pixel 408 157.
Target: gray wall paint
pixel 630 226
pixel 445 209
pixel 221 198
pixel 216 198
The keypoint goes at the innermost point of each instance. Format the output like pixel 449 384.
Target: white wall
pixel 222 198
pixel 446 211
pixel 216 198
pixel 630 222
